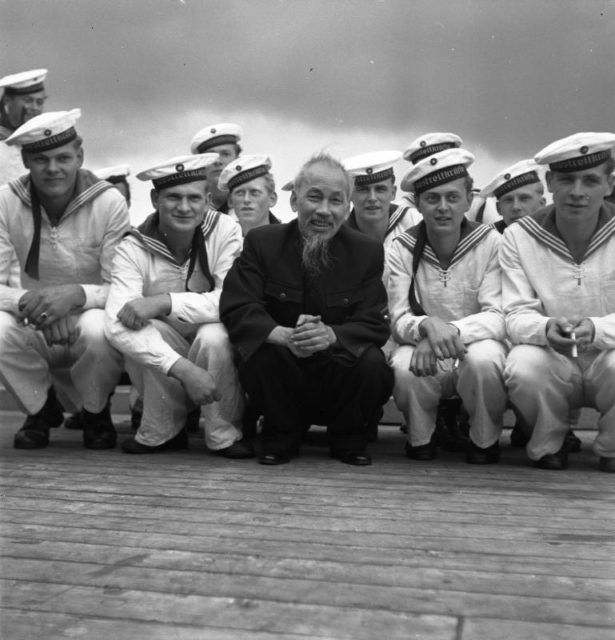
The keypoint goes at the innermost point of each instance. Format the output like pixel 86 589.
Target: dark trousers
pixel 293 393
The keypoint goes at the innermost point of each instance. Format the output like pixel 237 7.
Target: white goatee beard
pixel 315 254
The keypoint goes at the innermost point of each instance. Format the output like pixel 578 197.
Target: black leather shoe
pixel 176 443
pixel 98 430
pixel 422 452
pixel 358 459
pixel 238 450
pixel 272 459
pixel 518 437
pixel 607 465
pixel 572 442
pixel 553 461
pixel 479 455
pixel 34 434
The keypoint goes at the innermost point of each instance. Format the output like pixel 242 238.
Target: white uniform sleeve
pixel 146 345
pixel 10 287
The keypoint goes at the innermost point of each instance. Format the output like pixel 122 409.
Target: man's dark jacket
pixel 267 286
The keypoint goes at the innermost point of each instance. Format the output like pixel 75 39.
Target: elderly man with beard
pixel 303 305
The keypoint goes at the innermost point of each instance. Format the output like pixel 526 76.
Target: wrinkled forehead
pixel 325 178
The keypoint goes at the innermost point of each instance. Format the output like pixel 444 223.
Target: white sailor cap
pixel 289 186
pixel 437 169
pixel 577 152
pixel 116 173
pixel 430 143
pixel 369 168
pixel 215 134
pixel 511 178
pixel 46 131
pixel 24 82
pixel 243 170
pixel 179 170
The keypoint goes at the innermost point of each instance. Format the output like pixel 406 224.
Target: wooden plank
pixel 492 629
pixel 564 550
pixel 429 598
pixel 474 580
pixel 17 625
pixel 228 612
pixel 34 541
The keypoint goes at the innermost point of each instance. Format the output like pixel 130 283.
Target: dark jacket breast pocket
pixel 283 303
pixel 341 304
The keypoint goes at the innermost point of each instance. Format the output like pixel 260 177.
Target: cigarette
pixel 456 364
pixel 575 351
pixel 26 322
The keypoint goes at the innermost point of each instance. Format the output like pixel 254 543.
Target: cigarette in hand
pixel 456 364
pixel 575 351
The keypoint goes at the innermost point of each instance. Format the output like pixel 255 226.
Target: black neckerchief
pixel 33 254
pixel 419 247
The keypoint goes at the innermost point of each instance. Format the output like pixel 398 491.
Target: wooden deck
pixel 102 545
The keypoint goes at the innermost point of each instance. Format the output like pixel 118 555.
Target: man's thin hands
pixel 311 335
pixel 560 334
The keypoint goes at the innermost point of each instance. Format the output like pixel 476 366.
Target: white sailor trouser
pixel 165 403
pixel 478 381
pixel 26 361
pixel 544 385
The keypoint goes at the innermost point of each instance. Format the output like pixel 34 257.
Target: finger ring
pixel 43 317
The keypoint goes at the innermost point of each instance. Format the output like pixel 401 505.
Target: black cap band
pixel 51 142
pixel 22 91
pixel 442 176
pixel 227 138
pixel 581 162
pixel 175 179
pixel 372 178
pixel 429 150
pixel 518 181
pixel 246 176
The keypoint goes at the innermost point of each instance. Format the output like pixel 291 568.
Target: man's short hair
pixel 332 163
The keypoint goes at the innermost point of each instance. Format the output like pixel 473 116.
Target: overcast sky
pixel 349 76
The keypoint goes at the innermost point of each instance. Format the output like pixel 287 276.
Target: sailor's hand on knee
pixel 46 306
pixel 135 314
pixel 443 337
pixel 198 383
pixel 424 361
pixel 64 332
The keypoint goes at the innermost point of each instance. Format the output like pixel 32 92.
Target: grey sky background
pixel 348 76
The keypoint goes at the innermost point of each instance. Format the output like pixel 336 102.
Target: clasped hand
pixel 441 340
pixel 559 334
pixel 309 336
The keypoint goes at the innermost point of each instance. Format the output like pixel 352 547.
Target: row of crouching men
pixel 314 321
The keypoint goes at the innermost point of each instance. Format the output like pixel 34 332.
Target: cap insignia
pixel 47 132
pixel 238 167
pixel 179 167
pixel 423 143
pixel 507 176
pixel 212 130
pixel 433 161
pixel 369 171
pixel 584 149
